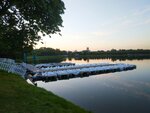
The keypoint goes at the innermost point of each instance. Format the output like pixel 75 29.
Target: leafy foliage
pixel 22 20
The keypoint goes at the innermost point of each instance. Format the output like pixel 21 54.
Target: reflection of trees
pixel 69 58
pixel 112 57
pixel 51 59
pixel 88 60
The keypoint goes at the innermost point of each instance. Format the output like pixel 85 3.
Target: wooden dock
pixel 67 72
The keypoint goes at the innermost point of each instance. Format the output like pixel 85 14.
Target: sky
pixel 103 25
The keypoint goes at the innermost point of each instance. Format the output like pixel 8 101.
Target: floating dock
pixel 49 73
pixel 54 65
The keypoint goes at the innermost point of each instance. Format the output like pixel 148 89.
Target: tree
pixel 22 20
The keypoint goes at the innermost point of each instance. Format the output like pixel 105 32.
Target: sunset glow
pixel 103 25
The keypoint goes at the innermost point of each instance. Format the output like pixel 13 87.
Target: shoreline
pixel 16 95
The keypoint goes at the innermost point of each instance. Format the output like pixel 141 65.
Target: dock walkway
pixel 59 71
pixel 66 72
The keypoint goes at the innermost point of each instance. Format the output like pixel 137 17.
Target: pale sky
pixel 103 25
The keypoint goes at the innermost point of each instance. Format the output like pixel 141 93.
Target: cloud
pixel 127 22
pixel 134 21
pixel 144 22
pixel 136 18
pixel 147 21
pixel 142 12
pixel 103 33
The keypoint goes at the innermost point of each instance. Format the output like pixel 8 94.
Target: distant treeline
pixel 122 52
pixel 48 52
pixel 44 55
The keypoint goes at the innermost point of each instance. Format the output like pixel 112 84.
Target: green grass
pixel 17 96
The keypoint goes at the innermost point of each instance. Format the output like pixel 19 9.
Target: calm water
pixel 120 92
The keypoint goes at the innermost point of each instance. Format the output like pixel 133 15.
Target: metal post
pixel 25 57
pixel 34 57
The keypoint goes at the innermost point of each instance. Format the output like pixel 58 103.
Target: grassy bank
pixel 17 96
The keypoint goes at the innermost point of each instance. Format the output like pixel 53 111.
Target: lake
pixel 120 92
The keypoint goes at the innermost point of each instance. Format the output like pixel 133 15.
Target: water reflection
pixel 121 92
pixel 86 58
pixel 113 58
pixel 130 87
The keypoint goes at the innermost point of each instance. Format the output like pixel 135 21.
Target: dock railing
pixel 7 60
pixel 10 66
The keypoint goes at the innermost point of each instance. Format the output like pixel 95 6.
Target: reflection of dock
pixel 73 71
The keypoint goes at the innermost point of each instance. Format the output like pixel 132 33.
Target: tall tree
pixel 22 20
